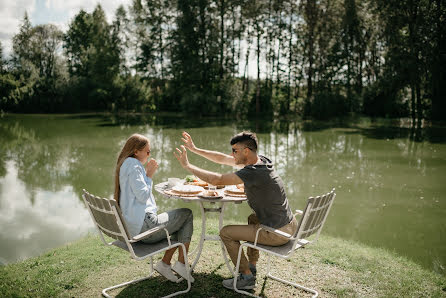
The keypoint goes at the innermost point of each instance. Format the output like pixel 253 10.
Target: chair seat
pixel 145 250
pixel 283 250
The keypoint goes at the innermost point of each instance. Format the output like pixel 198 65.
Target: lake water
pixel 389 177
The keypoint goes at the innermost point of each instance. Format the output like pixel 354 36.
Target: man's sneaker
pixel 165 271
pixel 180 268
pixel 243 283
pixel 253 269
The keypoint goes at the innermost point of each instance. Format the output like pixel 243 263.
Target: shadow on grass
pixel 205 285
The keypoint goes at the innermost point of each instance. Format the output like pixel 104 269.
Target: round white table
pixel 162 187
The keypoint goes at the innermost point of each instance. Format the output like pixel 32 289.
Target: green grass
pixel 334 267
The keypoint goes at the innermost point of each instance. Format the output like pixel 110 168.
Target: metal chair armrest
pixel 147 233
pixel 298 212
pixel 272 230
pixel 275 231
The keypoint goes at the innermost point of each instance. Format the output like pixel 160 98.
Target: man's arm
pixel 208 176
pixel 214 156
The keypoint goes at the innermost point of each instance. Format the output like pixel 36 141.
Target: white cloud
pixel 56 12
pixel 11 15
pixel 71 8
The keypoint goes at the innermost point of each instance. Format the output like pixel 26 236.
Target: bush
pixel 328 105
pixel 383 99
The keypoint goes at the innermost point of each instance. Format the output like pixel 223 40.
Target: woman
pixel 133 192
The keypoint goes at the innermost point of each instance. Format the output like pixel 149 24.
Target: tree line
pixel 312 58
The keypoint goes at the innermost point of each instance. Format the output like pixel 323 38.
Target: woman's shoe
pixel 166 271
pixel 180 268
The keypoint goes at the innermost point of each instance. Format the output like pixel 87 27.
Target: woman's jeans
pixel 178 222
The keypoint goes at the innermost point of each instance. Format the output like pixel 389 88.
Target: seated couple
pixel 263 187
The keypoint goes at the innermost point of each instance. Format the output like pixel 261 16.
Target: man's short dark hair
pixel 247 138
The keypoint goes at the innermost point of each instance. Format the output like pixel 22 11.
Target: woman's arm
pixel 140 188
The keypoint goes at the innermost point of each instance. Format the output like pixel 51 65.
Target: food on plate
pixel 187 189
pixel 216 186
pixel 191 178
pixel 200 183
pixel 210 193
pixel 234 190
pixel 240 186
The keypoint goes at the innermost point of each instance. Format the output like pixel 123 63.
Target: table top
pixel 163 186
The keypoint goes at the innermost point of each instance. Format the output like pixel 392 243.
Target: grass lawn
pixel 332 266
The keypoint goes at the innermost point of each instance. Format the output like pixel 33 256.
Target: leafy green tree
pixel 352 46
pixel 436 58
pixel 323 58
pixel 21 54
pixel 35 82
pixel 121 37
pixel 2 61
pixel 93 59
pixel 7 83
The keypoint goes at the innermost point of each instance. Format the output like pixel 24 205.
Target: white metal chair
pixel 311 222
pixel 107 216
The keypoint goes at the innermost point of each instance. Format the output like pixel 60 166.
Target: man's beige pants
pixel 231 236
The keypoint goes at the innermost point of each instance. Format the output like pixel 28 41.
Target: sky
pixel 57 12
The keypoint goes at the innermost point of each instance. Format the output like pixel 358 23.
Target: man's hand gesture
pixel 182 156
pixel 188 143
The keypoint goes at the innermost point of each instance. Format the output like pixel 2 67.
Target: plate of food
pixel 210 194
pixel 235 190
pixel 217 186
pixel 185 190
pixel 193 180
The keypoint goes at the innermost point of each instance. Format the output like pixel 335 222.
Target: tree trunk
pixel 258 70
pixel 412 102
pixel 222 36
pixel 290 56
pixel 245 86
pixel 310 11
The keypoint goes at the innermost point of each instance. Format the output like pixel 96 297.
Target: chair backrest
pixel 314 215
pixel 106 219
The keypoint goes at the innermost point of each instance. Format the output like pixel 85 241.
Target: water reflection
pixel 388 175
pixel 49 219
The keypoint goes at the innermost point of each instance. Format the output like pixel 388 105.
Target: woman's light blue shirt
pixel 136 196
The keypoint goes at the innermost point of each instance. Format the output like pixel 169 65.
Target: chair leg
pixel 236 273
pixel 268 274
pixel 104 291
pixel 105 294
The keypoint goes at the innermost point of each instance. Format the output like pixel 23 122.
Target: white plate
pixel 210 197
pixel 187 188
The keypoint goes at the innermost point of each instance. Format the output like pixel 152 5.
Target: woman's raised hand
pixel 187 139
pixel 151 167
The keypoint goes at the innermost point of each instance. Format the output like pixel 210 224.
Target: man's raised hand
pixel 187 139
pixel 181 155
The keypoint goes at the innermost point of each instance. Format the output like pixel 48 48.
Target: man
pixel 264 191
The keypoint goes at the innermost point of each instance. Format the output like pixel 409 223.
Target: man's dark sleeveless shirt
pixel 265 193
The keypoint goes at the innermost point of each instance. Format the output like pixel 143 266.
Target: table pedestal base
pixel 204 237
